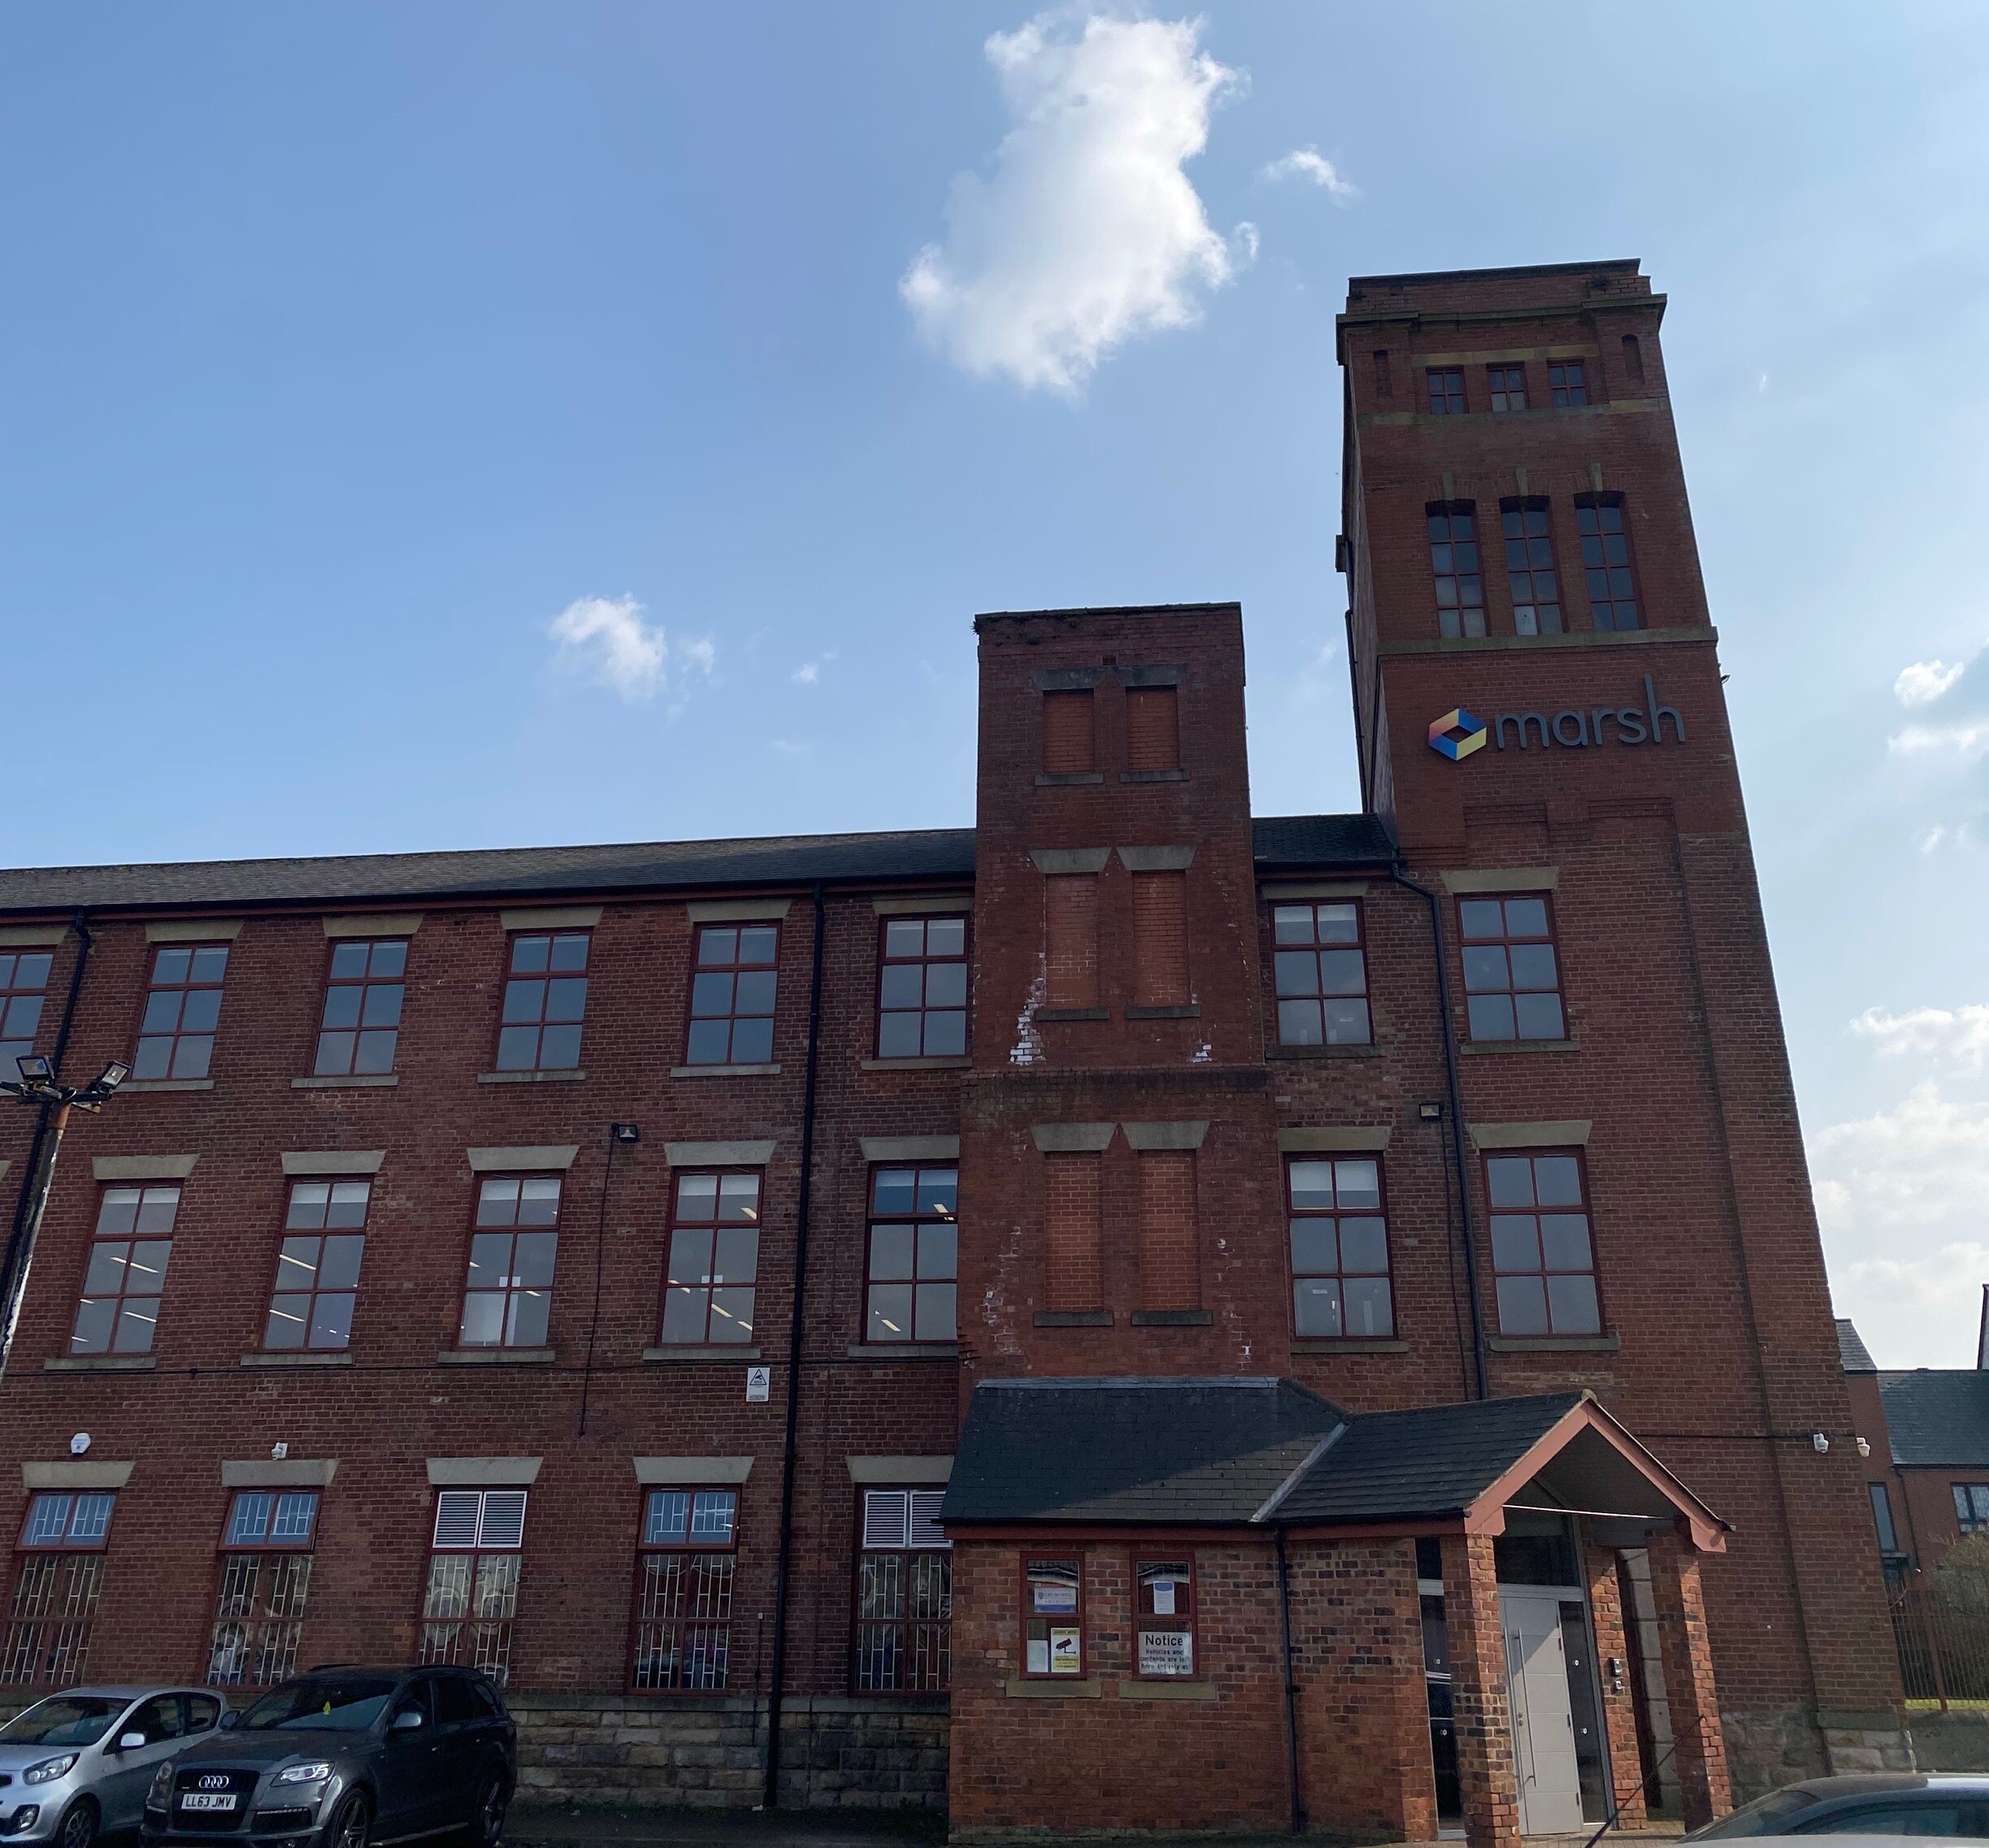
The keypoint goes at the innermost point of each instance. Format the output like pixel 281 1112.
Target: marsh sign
pixel 1460 734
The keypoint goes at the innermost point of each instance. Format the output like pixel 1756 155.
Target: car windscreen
pixel 1765 1816
pixel 344 1703
pixel 67 1719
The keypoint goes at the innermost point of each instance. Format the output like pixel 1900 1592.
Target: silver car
pixel 81 1761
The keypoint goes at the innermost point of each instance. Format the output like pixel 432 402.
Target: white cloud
pixel 807 674
pixel 606 640
pixel 1084 232
pixel 1967 740
pixel 1960 1035
pixel 1921 683
pixel 1308 163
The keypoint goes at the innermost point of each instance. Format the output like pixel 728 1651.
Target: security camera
pixel 278 1452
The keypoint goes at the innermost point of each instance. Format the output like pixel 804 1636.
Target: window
pixel 684 1589
pixel 1070 745
pixel 1541 1250
pixel 1071 935
pixel 1509 387
pixel 732 994
pixel 1453 563
pixel 318 1268
pixel 1168 1274
pixel 544 999
pixel 1512 977
pixel 1605 562
pixel 24 977
pixel 714 1258
pixel 265 1580
pixel 362 994
pixel 119 1310
pixel 1166 1648
pixel 471 1595
pixel 1153 728
pixel 1530 568
pixel 56 1589
pixel 1320 964
pixel 905 1594
pixel 1340 1286
pixel 915 1255
pixel 1972 1507
pixel 1053 1616
pixel 1446 391
pixel 1073 1279
pixel 1882 1518
pixel 176 1036
pixel 508 1297
pixel 1567 381
pixel 922 988
pixel 1159 939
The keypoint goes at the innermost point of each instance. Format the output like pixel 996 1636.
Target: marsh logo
pixel 1458 733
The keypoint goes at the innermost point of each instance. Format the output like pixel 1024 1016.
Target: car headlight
pixel 49 1769
pixel 162 1783
pixel 314 1773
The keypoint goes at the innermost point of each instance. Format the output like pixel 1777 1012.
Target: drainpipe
pixel 1291 1685
pixel 34 1183
pixel 1480 1367
pixel 770 1797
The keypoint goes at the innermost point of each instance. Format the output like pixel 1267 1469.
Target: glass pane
pixel 290 1317
pixel 1491 1017
pixel 900 1035
pixel 297 1264
pixel 938 1253
pixel 902 985
pixel 737 1259
pixel 190 1055
pixel 528 955
pixel 496 1204
pixel 1312 1185
pixel 1370 1307
pixel 525 1324
pixel 698 1196
pixel 1347 1023
pixel 946 936
pixel 483 1319
pixel 946 985
pixel 935 1312
pixel 690 1254
pixel 1315 1248
pixel 341 1006
pixel 1481 917
pixel 753 1041
pixel 538 1200
pixel 1540 1016
pixel 335 1053
pixel 1525 918
pixel 1299 1024
pixel 559 1048
pixel 201 1010
pixel 946 1035
pixel 712 1515
pixel 1522 1305
pixel 376 1050
pixel 710 1043
pixel 891 1251
pixel 106 1274
pixel 717 946
pixel 518 1048
pixel 1573 1304
pixel 711 995
pixel 904 936
pixel 893 1190
pixel 938 1189
pixel 1533 965
pixel 490 1260
pixel 1515 1242
pixel 533 1258
pixel 732 1315
pixel 94 1318
pixel 754 994
pixel 383 1003
pixel 1363 1247
pixel 1564 1240
pixel 1358 1182
pixel 389 962
pixel 738 1197
pixel 1291 923
pixel 1510 1178
pixel 1485 968
pixel 157 1207
pixel 161 1011
pixel 1316 1306
pixel 1297 972
pixel 1559 1179
pixel 137 1317
pixel 331 1320
pixel 1339 924
pixel 569 954
pixel 1343 971
pixel 668 1518
pixel 684 1315
pixel 756 944
pixel 248 1522
pixel 346 1206
pixel 118 1211
pixel 890 1312
pixel 565 998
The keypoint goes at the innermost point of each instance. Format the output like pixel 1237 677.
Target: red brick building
pixel 1362 1265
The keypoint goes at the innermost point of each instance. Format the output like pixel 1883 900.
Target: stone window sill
pixel 101 1364
pixel 1325 1344
pixel 363 1081
pixel 724 1071
pixel 1173 1318
pixel 1166 1691
pixel 303 1357
pixel 1021 1687
pixel 133 1085
pixel 496 1356
pixel 1370 1051
pixel 1066 779
pixel 1186 1010
pixel 1469 1046
pixel 573 1076
pixel 1074 1318
pixel 951 1062
pixel 904 1350
pixel 1152 776
pixel 1055 1014
pixel 1555 1343
pixel 698 1356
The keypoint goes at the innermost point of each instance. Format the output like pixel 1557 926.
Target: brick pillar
pixel 1619 1713
pixel 1701 1748
pixel 1484 1719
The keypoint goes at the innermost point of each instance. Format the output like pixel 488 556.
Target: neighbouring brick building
pixel 1129 1315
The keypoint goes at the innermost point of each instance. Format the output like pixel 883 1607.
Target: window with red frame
pixel 1446 386
pixel 1567 381
pixel 922 988
pixel 471 1599
pixel 915 1255
pixel 118 1314
pixel 1340 1284
pixel 507 1298
pixel 361 1026
pixel 266 1558
pixel 1453 567
pixel 1053 1616
pixel 714 1258
pixel 1606 562
pixel 684 1589
pixel 1319 965
pixel 1512 976
pixel 1971 1507
pixel 1070 745
pixel 58 1581
pixel 1166 1619
pixel 318 1267
pixel 1508 385
pixel 24 984
pixel 905 1594
pixel 182 1007
pixel 544 1000
pixel 1542 1255
pixel 1530 567
pixel 1153 728
pixel 732 992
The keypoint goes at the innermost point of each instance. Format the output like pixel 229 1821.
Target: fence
pixel 1940 1626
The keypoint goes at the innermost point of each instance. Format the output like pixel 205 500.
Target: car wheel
pixel 354 1824
pixel 79 1824
pixel 487 1830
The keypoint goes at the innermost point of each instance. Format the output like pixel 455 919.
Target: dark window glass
pixel 1972 1507
pixel 265 1583
pixel 1530 568
pixel 507 1299
pixel 118 1314
pixel 1339 1248
pixel 545 998
pixel 1508 385
pixel 176 1036
pixel 57 1584
pixel 1606 561
pixel 714 1258
pixel 732 994
pixel 913 1255
pixel 318 1268
pixel 1320 965
pixel 1453 565
pixel 922 988
pixel 1882 1518
pixel 1512 976
pixel 23 980
pixel 1053 1617
pixel 1542 1253
pixel 904 1626
pixel 1446 391
pixel 470 1600
pixel 362 995
pixel 1567 381
pixel 684 1589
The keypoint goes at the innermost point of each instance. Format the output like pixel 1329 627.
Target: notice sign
pixel 1064 1656
pixel 1053 1595
pixel 759 1385
pixel 1166 1652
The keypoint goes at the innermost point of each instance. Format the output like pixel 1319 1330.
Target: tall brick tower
pixel 1537 698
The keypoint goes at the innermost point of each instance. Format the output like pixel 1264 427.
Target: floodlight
pixel 34 1069
pixel 112 1077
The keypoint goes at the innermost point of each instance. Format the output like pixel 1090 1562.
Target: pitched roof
pixel 1938 1417
pixel 1851 1349
pixel 511 872
pixel 1173 1451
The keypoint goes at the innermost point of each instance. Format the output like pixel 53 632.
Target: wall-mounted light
pixel 1818 1442
pixel 626 1132
pixel 1430 1112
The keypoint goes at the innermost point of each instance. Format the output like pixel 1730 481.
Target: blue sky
pixel 349 348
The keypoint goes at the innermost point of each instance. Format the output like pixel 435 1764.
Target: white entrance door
pixel 1536 1679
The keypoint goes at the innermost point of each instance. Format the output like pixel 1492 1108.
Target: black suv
pixel 342 1758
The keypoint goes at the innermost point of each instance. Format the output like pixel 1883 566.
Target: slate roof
pixel 512 872
pixel 1851 1349
pixel 1938 1418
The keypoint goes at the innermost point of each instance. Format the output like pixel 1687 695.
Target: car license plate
pixel 207 1800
